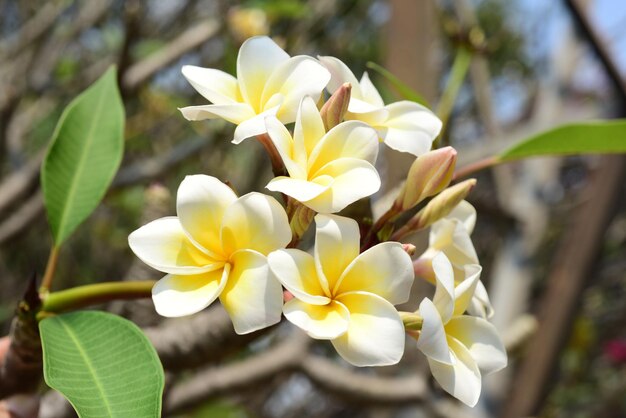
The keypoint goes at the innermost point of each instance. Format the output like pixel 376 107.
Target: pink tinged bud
pixel 423 267
pixel 409 249
pixel 336 106
pixel 428 175
pixel 287 296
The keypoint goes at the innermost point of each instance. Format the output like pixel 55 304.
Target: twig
pixel 363 387
pixel 234 377
pixel 195 341
pixel 51 267
pixel 22 218
pixel 474 167
pixel 182 44
pixel 33 29
pixel 21 366
pixel 18 183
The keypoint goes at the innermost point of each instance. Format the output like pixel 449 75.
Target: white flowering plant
pixel 350 283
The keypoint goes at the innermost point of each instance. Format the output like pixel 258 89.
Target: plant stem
pixel 477 166
pixel 92 294
pixel 457 76
pixel 378 225
pixel 412 321
pixel 51 267
pixel 278 167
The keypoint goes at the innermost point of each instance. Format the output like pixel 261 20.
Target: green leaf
pixel 84 155
pixel 103 364
pixel 597 137
pixel 403 90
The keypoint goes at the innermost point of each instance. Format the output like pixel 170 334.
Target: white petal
pixel 451 237
pixel 370 93
pixel 323 322
pixel 252 296
pixel 336 245
pixel 340 73
pixel 215 85
pixel 464 291
pixel 258 58
pixel 366 112
pixel 200 203
pixel 444 293
pixel 410 128
pixel 432 337
pixel 461 379
pixel 164 245
pixel 281 138
pixel 176 295
pixel 233 113
pixel 309 130
pixel 253 126
pixel 482 340
pixel 385 269
pixel 294 79
pixel 301 190
pixel 353 179
pixel 352 139
pixel 375 335
pixel 480 304
pixel 295 269
pixel 255 222
pixel 466 213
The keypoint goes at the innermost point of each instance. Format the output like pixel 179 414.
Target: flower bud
pixel 409 249
pixel 428 175
pixel 336 106
pixel 423 267
pixel 442 204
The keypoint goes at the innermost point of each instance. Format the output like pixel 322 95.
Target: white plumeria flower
pixel 404 126
pixel 217 246
pixel 451 235
pixel 347 297
pixel 458 347
pixel 268 82
pixel 327 170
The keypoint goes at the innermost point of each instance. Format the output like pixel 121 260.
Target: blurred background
pixel 551 232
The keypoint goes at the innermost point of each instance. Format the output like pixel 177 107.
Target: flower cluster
pixel 242 250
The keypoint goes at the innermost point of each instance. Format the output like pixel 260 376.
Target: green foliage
pixel 84 155
pixel 401 88
pixel 597 137
pixel 281 9
pixel 103 364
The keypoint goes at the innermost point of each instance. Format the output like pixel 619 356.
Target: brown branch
pixel 234 377
pixel 33 29
pixel 361 387
pixel 18 183
pixel 21 364
pixel 570 272
pixel 197 340
pixel 18 221
pixel 185 42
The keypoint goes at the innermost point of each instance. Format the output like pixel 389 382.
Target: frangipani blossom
pixel 451 235
pixel 347 297
pixel 268 82
pixel 327 170
pixel 404 126
pixel 216 247
pixel 459 347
